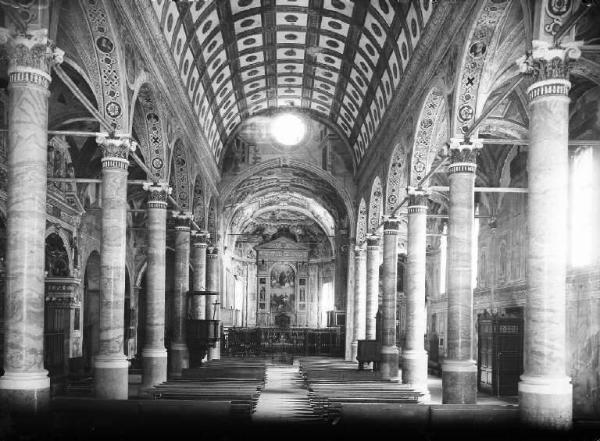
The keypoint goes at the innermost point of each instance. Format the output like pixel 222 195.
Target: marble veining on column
pixel 459 371
pixel 389 350
pixel 154 353
pixel 25 383
pixel 178 347
pixel 545 390
pixel 360 298
pixel 111 377
pixel 372 285
pixel 414 356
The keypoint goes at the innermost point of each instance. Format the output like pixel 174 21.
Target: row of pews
pixel 236 381
pixel 334 384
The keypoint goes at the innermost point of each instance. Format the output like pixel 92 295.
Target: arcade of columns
pixel 545 390
pixel 25 384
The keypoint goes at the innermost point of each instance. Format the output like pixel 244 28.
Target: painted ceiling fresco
pixel 334 59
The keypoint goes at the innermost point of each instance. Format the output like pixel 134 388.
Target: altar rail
pixel 295 341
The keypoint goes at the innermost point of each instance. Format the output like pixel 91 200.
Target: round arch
pixel 361 223
pixel 375 206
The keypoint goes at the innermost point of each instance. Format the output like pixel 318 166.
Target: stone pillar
pixel 154 354
pixel 414 356
pixel 25 385
pixel 180 357
pixel 389 350
pixel 545 390
pixel 372 285
pixel 212 302
pixel 198 303
pixel 459 370
pixel 111 365
pixel 360 298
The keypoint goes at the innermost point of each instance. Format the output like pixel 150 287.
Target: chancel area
pixel 275 217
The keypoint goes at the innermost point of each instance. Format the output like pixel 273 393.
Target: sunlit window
pixel 327 301
pixel 288 129
pixel 583 206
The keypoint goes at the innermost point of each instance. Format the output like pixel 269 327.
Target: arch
pixel 180 176
pixel 211 219
pixel 361 223
pixel 320 173
pixel 375 206
pixel 475 53
pixel 396 180
pixel 112 101
pixel 430 127
pixel 59 255
pixel 150 128
pixel 198 203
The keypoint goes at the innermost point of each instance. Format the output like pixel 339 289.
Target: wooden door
pixel 509 355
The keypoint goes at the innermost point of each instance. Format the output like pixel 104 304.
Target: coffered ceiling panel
pixel 338 59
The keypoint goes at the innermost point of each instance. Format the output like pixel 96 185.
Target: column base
pixel 25 392
pixel 459 382
pixel 414 369
pixel 214 353
pixel 389 363
pixel 353 350
pixel 546 402
pixel 111 377
pixel 180 359
pixel 154 367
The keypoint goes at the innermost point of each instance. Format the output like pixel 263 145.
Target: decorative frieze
pixel 63 292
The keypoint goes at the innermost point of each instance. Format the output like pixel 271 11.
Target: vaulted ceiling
pixel 337 60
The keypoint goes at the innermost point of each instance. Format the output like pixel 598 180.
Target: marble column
pixel 360 298
pixel 372 285
pixel 25 386
pixel 389 350
pixel 414 356
pixel 154 353
pixel 198 303
pixel 212 302
pixel 459 370
pixel 111 365
pixel 545 390
pixel 180 357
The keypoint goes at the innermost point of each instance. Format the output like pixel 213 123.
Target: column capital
pixel 212 252
pixel 115 150
pixel 158 194
pixel 549 65
pixel 359 252
pixel 417 199
pixel 463 155
pixel 372 242
pixel 391 225
pixel 30 56
pixel 200 239
pixel 183 220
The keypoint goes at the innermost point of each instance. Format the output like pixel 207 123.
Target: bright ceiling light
pixel 288 129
